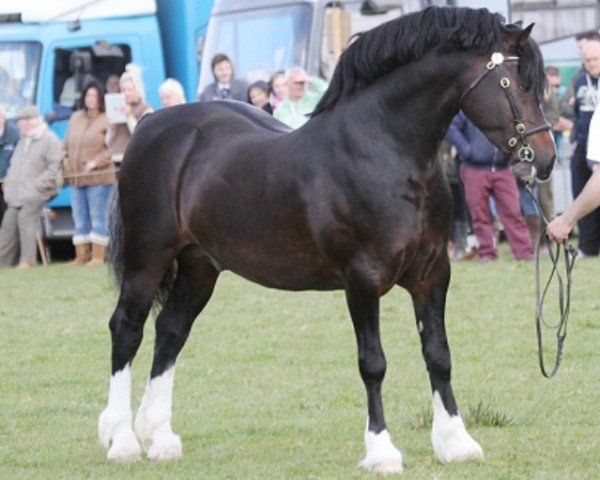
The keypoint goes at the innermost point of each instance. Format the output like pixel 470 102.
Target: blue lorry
pixel 48 50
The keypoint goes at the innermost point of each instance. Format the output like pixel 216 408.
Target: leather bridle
pixel 525 152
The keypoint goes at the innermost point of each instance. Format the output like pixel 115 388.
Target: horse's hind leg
pixel 451 442
pixel 363 302
pixel 126 326
pixel 192 290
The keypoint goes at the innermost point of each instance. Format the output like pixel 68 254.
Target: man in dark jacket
pixel 9 136
pixel 587 98
pixel 484 172
pixel 225 86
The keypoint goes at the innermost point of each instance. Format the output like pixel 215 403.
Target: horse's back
pixel 230 117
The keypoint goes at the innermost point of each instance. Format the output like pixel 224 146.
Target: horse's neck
pixel 421 98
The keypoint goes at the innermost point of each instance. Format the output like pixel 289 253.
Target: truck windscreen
pixel 19 71
pixel 258 41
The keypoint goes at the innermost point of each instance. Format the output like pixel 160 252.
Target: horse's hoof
pixel 124 448
pixel 453 443
pixel 458 448
pixel 449 437
pixel 382 456
pixel 104 430
pixel 166 446
pixel 387 467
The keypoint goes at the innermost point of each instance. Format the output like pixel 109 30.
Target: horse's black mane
pixel 409 37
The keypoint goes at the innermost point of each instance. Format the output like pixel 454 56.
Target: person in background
pixel 278 88
pixel 587 98
pixel 135 107
pixel 9 136
pixel 112 84
pixel 484 172
pixel 32 179
pixel 258 95
pixel 225 86
pixel 567 101
pixel 171 93
pixel 295 110
pixel 544 189
pixel 88 168
pixel 458 247
pixel 589 198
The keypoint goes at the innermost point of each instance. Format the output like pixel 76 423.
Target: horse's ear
pixel 524 36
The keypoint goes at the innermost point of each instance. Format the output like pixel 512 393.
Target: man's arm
pixel 587 201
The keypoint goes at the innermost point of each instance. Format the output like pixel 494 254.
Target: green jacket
pixel 296 114
pixel 551 108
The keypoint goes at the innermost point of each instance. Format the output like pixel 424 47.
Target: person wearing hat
pixel 32 179
pixel 9 136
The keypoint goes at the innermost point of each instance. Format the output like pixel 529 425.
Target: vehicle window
pixel 339 24
pixel 19 72
pixel 75 67
pixel 259 42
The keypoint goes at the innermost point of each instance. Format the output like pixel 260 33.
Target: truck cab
pixel 265 36
pixel 48 52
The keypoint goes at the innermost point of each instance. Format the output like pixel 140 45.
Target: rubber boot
pixel 82 254
pixel 98 255
pixel 459 238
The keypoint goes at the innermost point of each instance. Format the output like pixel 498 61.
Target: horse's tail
pixel 115 235
pixel 115 251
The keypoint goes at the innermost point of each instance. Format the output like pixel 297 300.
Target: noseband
pixel 525 152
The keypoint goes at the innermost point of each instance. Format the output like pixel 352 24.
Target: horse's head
pixel 503 100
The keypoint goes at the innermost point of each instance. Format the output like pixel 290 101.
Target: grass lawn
pixel 267 386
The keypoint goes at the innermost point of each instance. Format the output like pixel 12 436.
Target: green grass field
pixel 267 387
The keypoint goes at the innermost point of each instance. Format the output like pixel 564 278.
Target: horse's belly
pixel 287 274
pixel 289 267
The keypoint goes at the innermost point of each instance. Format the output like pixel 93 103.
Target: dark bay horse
pixel 353 200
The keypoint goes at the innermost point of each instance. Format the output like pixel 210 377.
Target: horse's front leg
pixel 450 439
pixel 363 302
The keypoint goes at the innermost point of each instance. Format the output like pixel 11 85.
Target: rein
pixel 525 152
pixel 564 292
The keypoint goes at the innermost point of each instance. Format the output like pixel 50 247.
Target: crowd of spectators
pixel 488 201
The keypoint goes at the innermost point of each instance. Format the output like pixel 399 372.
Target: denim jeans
pixel 90 211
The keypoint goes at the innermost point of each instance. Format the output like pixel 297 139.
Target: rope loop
pixel 541 291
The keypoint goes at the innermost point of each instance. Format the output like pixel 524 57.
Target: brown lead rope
pixel 564 292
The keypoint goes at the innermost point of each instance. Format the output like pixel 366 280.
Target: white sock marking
pixel 114 424
pixel 382 456
pixel 153 419
pixel 451 442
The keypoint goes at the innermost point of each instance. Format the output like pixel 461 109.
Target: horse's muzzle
pixel 544 171
pixel 527 171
